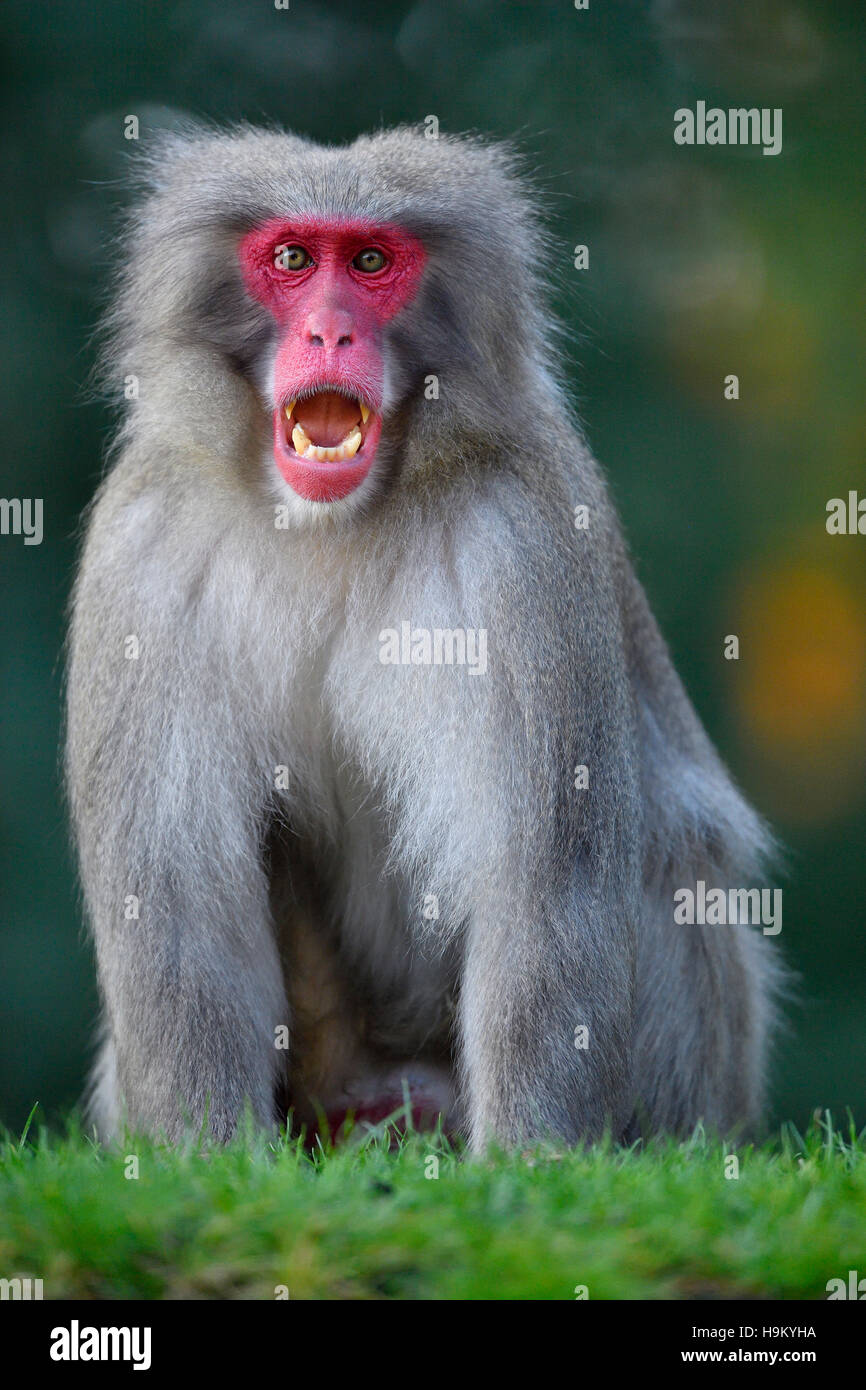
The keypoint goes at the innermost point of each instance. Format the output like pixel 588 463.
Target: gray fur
pixel 259 648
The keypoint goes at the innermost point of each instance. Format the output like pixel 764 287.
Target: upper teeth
pixel 346 449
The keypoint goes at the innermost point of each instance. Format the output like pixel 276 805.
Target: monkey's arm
pixel 167 817
pixel 547 995
pixel 546 1018
pixel 547 1006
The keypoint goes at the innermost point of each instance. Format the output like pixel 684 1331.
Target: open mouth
pixel 325 442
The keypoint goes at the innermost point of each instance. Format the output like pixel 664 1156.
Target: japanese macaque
pixel 328 860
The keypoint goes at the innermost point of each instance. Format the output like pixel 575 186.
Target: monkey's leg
pixel 546 1022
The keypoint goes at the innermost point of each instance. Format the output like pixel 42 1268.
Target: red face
pixel 331 285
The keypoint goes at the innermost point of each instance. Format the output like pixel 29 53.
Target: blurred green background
pixel 703 262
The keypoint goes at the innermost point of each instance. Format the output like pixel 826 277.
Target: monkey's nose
pixel 329 328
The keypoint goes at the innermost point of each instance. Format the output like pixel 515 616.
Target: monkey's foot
pixel 414 1100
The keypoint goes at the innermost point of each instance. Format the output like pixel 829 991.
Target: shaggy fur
pixel 259 649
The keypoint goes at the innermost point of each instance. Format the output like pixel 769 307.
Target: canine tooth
pixel 365 412
pixel 299 440
pixel 290 405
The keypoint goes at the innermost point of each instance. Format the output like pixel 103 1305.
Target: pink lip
pixel 324 482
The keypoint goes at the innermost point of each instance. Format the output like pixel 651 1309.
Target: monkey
pixel 324 872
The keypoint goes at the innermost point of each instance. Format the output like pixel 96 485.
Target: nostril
pixel 329 329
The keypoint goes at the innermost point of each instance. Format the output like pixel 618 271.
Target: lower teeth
pixel 319 453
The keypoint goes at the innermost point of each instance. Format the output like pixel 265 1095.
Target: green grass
pixel 660 1221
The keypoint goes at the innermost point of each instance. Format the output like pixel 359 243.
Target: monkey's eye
pixel 291 258
pixel 369 260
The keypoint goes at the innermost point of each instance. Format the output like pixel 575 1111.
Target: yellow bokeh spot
pixel 804 661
